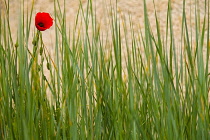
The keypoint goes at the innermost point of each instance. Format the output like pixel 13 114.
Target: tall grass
pixel 159 91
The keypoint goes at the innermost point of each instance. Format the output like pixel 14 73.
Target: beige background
pixel 134 8
pixel 125 8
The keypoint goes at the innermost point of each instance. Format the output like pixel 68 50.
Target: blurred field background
pixel 133 9
pixel 129 12
pixel 125 8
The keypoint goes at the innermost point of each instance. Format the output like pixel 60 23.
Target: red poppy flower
pixel 43 21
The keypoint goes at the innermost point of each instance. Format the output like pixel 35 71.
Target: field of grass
pixel 157 91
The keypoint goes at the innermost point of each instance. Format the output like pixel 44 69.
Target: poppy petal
pixel 43 21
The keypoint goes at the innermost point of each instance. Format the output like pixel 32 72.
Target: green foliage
pixel 160 93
